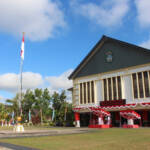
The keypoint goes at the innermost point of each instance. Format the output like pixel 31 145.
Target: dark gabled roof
pixel 95 49
pixel 70 89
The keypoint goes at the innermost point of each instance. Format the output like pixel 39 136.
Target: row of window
pixel 87 92
pixel 141 84
pixel 112 88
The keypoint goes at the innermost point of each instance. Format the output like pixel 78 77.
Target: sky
pixel 59 34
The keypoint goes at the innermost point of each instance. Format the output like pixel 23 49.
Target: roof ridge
pixel 103 39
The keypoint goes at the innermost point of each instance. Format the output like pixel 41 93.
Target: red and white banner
pixel 99 111
pixel 130 114
pixel 22 48
pixel 116 107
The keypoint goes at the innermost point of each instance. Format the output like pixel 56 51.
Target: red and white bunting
pixel 99 111
pixel 130 114
pixel 115 107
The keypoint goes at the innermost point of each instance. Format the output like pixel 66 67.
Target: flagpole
pixel 19 127
pixel 21 69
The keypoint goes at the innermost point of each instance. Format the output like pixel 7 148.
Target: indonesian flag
pixel 22 48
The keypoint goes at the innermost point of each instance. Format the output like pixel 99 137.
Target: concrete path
pixel 6 146
pixel 50 132
pixel 34 133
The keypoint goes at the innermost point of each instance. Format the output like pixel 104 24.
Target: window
pixel 112 88
pixel 119 88
pixel 81 98
pixel 84 92
pixel 92 91
pixel 141 93
pixel 141 84
pixel 146 84
pixel 135 85
pixel 87 92
pixel 105 89
pixel 88 89
pixel 109 89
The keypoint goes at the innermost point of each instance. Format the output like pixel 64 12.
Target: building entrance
pixel 84 119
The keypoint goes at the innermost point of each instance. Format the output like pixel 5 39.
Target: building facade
pixel 111 86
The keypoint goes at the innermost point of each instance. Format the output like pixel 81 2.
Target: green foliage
pixel 5 112
pixel 27 103
pixel 41 104
pixel 63 110
pixel 13 103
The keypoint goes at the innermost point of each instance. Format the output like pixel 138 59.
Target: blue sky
pixel 59 34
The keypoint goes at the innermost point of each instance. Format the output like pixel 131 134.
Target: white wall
pixel 127 91
pixel 99 91
pixel 127 88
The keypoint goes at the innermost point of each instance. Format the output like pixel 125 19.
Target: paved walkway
pixel 34 133
pixel 6 146
pixel 50 132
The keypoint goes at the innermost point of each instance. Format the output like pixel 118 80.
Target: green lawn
pixel 103 139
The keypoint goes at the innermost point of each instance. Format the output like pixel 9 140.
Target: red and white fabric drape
pixel 130 114
pixel 99 112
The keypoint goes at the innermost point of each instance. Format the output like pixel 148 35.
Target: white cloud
pixel 59 82
pixel 143 11
pixel 40 19
pixel 10 81
pixel 107 13
pixel 146 44
pixel 1 97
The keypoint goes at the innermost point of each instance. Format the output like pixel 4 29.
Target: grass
pixel 103 139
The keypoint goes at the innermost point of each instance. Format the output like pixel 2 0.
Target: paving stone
pixel 7 146
pixel 4 148
pixel 33 133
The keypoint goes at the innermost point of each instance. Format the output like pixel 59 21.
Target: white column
pixel 2 123
pixel 78 123
pixel 130 122
pixel 100 121
pixel 108 120
pixel 128 88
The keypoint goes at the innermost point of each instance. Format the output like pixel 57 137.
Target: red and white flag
pixel 22 48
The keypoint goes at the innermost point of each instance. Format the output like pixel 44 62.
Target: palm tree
pixel 14 104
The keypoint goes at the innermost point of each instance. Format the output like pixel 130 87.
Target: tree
pixel 14 104
pixel 28 103
pixel 46 100
pixel 39 102
pixel 42 101
pixel 2 111
pixel 58 105
pixel 69 115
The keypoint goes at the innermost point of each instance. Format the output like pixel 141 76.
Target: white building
pixel 113 77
